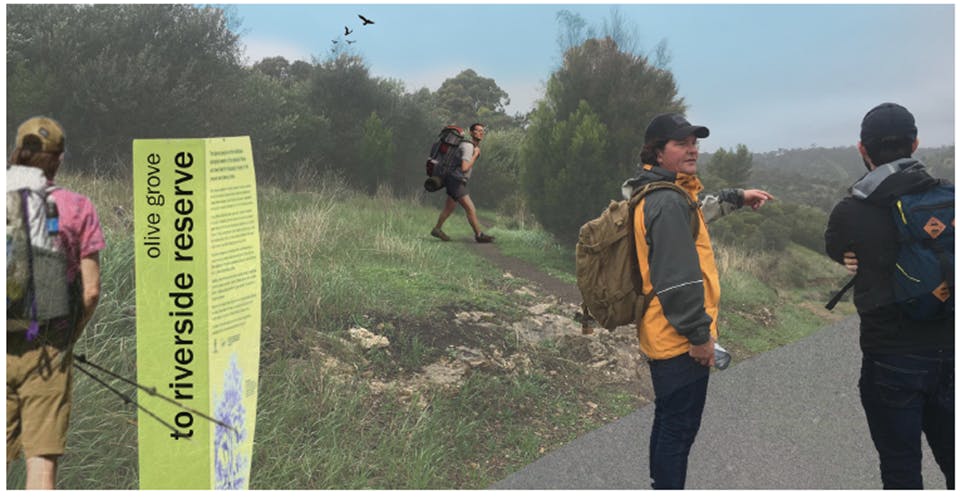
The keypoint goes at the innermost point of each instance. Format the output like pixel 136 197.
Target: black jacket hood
pixel 887 182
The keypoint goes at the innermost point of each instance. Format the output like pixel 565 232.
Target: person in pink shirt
pixel 39 372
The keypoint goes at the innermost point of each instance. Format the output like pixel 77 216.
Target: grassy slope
pixel 334 259
pixel 331 260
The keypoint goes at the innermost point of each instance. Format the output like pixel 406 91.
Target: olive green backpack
pixel 608 275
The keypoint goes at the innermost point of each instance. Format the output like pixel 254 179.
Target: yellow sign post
pixel 198 310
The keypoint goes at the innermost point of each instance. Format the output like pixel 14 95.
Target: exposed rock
pixel 543 306
pixel 611 356
pixel 472 357
pixel 445 372
pixel 473 316
pixel 597 349
pixel 377 386
pixel 766 317
pixel 525 291
pixel 368 340
pixel 535 329
pixel 539 308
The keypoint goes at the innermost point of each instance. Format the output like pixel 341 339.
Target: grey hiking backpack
pixel 37 286
pixel 444 157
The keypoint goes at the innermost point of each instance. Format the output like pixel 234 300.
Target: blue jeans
pixel 904 395
pixel 680 386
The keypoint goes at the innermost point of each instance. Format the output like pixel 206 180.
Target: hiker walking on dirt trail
pixel 456 184
pixel 678 328
pixel 895 232
pixel 53 286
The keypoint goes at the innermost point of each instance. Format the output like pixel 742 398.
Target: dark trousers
pixel 680 386
pixel 904 395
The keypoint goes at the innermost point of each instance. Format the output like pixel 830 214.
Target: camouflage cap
pixel 44 130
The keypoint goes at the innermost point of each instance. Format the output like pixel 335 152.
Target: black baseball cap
pixel 888 121
pixel 672 126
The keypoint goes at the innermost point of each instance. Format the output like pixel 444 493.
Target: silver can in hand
pixel 721 357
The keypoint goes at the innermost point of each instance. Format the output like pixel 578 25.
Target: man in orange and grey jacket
pixel 678 330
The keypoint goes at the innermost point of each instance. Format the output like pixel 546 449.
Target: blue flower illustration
pixel 232 467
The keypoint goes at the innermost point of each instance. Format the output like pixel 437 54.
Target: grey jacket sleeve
pixel 675 265
pixel 717 205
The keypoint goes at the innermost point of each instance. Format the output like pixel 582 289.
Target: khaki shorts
pixel 39 380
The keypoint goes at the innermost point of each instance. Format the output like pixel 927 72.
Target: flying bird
pixel 365 20
pixel 347 31
pixel 334 42
pixel 351 41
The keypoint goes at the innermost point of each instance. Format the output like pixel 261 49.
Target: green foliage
pixel 283 130
pixel 412 119
pixel 498 173
pixel 564 174
pixel 468 98
pixel 583 138
pixel 729 169
pixel 940 161
pixel 376 150
pixel 111 73
pixel 280 69
pixel 624 90
pixel 342 89
pixel 819 177
pixel 772 227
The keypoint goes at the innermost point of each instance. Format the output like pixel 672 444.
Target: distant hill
pixel 819 177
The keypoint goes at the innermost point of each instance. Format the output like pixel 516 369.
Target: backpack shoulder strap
pixel 660 185
pixel 836 298
pixel 632 206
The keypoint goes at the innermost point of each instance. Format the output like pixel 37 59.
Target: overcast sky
pixel 767 76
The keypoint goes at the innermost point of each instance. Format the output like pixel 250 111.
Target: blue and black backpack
pixel 923 276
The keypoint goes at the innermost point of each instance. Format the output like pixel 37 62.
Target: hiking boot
pixel 437 232
pixel 484 238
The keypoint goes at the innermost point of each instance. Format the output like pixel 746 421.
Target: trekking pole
pixel 126 398
pixel 153 391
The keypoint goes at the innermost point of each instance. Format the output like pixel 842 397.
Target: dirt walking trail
pixel 566 292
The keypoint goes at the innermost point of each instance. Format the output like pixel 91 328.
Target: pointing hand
pixel 756 198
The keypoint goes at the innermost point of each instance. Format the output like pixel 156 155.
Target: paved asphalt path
pixel 786 419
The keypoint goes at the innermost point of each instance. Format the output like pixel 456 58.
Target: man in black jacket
pixel 907 373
